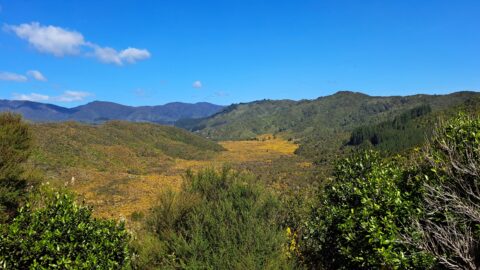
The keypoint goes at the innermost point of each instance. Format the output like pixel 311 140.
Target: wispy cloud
pixel 197 84
pixel 31 97
pixel 9 76
pixel 67 96
pixel 221 94
pixel 37 75
pixel 107 55
pixel 70 96
pixel 112 56
pixel 132 55
pixel 15 77
pixel 140 92
pixel 60 42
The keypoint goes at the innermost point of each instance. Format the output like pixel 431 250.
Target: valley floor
pixel 119 195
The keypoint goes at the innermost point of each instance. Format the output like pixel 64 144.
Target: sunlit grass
pixel 140 192
pixel 122 178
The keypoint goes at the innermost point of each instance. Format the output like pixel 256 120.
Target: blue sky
pixel 154 52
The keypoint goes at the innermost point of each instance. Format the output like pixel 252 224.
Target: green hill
pixel 321 126
pixel 115 146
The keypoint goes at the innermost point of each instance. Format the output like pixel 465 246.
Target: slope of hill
pixel 322 125
pixel 116 146
pixel 99 111
pixel 120 167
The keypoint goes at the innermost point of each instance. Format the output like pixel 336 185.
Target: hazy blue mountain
pixel 100 111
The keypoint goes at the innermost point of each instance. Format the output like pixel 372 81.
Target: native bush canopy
pixel 394 213
pixel 62 234
pixel 361 216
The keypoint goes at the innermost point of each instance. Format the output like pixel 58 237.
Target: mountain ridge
pixel 102 111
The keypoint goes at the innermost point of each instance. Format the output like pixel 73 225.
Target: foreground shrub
pixel 361 216
pixel 450 228
pixel 62 234
pixel 15 146
pixel 220 220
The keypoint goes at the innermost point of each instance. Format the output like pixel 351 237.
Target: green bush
pixel 361 217
pixel 62 234
pixel 450 227
pixel 220 220
pixel 15 146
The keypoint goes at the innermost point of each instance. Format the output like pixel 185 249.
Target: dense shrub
pixel 450 228
pixel 62 234
pixel 15 145
pixel 361 217
pixel 220 220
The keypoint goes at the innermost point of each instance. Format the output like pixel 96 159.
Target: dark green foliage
pixel 361 216
pixel 222 220
pixel 408 130
pixel 62 234
pixel 396 135
pixel 15 144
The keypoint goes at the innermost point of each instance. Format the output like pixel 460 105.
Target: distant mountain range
pixel 100 111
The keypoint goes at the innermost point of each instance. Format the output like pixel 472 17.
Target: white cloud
pixel 37 75
pixel 197 84
pixel 107 55
pixel 31 97
pixel 111 56
pixel 67 96
pixel 132 55
pixel 70 96
pixel 49 39
pixel 60 42
pixel 8 76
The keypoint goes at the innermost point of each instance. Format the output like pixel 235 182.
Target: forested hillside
pixel 409 129
pixel 321 126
